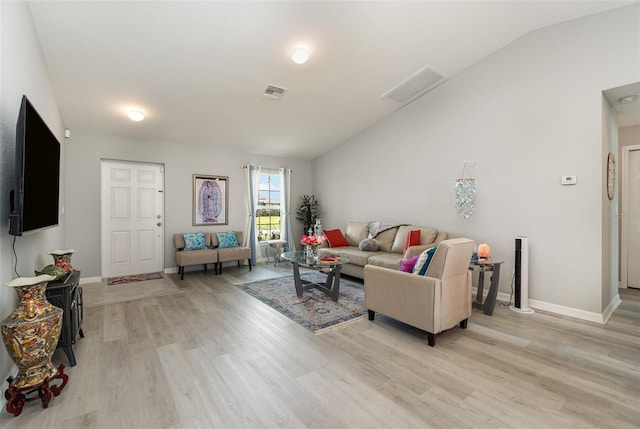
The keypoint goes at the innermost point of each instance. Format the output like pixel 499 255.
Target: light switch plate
pixel 569 180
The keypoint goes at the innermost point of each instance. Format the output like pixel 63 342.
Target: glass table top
pixel 326 261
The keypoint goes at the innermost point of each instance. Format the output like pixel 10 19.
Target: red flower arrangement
pixel 64 266
pixel 313 240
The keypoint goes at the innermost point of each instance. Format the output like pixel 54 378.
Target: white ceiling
pixel 197 68
pixel 628 113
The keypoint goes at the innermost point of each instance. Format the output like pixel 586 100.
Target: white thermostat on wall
pixel 569 180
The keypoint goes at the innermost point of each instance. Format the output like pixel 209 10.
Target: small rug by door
pixel 315 310
pixel 134 278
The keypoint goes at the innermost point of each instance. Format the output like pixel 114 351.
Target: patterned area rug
pixel 136 278
pixel 315 310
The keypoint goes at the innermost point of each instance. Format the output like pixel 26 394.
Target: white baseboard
pixel 567 311
pixel 615 302
pixel 85 280
pixel 173 270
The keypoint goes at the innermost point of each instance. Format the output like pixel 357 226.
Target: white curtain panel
pixel 252 175
pixel 285 209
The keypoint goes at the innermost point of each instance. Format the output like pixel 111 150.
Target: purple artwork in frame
pixel 210 200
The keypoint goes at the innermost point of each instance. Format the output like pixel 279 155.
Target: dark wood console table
pixel 67 295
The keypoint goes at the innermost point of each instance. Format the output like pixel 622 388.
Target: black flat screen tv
pixel 35 199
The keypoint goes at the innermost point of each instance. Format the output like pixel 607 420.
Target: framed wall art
pixel 210 200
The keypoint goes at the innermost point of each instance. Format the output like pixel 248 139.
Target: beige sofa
pixel 391 246
pixel 211 255
pixel 435 302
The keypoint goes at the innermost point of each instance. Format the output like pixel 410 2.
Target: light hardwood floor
pixel 214 357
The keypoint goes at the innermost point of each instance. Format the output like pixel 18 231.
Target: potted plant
pixel 307 211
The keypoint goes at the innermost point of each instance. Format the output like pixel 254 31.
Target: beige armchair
pixel 435 302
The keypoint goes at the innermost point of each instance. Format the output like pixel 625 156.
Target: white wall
pixel 22 71
pixel 82 204
pixel 528 114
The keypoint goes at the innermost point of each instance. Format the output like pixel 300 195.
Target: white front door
pixel 132 218
pixel 632 215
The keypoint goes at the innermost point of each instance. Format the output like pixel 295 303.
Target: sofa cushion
pixel 386 260
pixel 194 241
pixel 369 245
pixel 413 239
pixel 427 236
pixel 356 232
pixel 407 264
pixel 354 255
pixel 196 257
pixel 335 238
pixel 386 238
pixel 422 264
pixel 227 239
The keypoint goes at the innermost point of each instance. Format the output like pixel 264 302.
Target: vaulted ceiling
pixel 198 68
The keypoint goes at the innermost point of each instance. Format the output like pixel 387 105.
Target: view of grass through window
pixel 268 212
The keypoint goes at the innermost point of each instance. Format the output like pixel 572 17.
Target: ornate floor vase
pixel 62 259
pixel 31 332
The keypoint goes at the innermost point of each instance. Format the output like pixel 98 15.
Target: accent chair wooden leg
pixel 372 314
pixel 205 267
pixel 431 338
pixel 219 267
pixel 181 269
pixel 463 324
pixel 249 261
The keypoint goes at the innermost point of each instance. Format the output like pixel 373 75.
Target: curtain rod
pixel 268 168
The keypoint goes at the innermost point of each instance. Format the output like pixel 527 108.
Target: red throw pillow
pixel 413 239
pixel 335 238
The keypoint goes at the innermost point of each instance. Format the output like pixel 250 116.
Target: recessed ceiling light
pixel 300 54
pixel 627 99
pixel 136 115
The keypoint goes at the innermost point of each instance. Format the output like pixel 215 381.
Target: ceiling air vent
pixel 273 91
pixel 420 82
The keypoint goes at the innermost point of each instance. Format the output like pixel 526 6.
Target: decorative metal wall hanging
pixel 465 191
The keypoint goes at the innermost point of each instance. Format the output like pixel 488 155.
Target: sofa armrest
pixel 416 250
pixel 406 297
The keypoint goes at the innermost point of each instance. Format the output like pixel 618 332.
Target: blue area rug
pixel 314 310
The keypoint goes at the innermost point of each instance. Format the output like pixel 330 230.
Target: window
pixel 268 212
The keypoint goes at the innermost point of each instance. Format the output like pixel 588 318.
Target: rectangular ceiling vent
pixel 420 82
pixel 273 91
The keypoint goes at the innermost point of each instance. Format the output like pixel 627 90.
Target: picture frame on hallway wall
pixel 210 200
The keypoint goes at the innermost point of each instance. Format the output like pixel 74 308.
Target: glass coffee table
pixel 329 265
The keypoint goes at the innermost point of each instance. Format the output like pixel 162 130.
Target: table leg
pixel 335 288
pixel 480 290
pixel 490 302
pixel 296 279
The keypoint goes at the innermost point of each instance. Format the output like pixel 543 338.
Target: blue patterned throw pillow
pixel 227 239
pixel 194 241
pixel 422 264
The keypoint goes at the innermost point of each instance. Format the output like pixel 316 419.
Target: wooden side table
pixel 486 265
pixel 68 296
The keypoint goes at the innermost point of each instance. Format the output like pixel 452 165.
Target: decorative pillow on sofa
pixel 408 264
pixel 413 239
pixel 369 245
pixel 194 241
pixel 423 261
pixel 227 239
pixel 335 238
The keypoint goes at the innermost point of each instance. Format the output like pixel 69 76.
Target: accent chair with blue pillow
pixel 194 249
pixel 229 248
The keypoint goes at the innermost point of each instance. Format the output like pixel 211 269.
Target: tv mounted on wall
pixel 35 199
